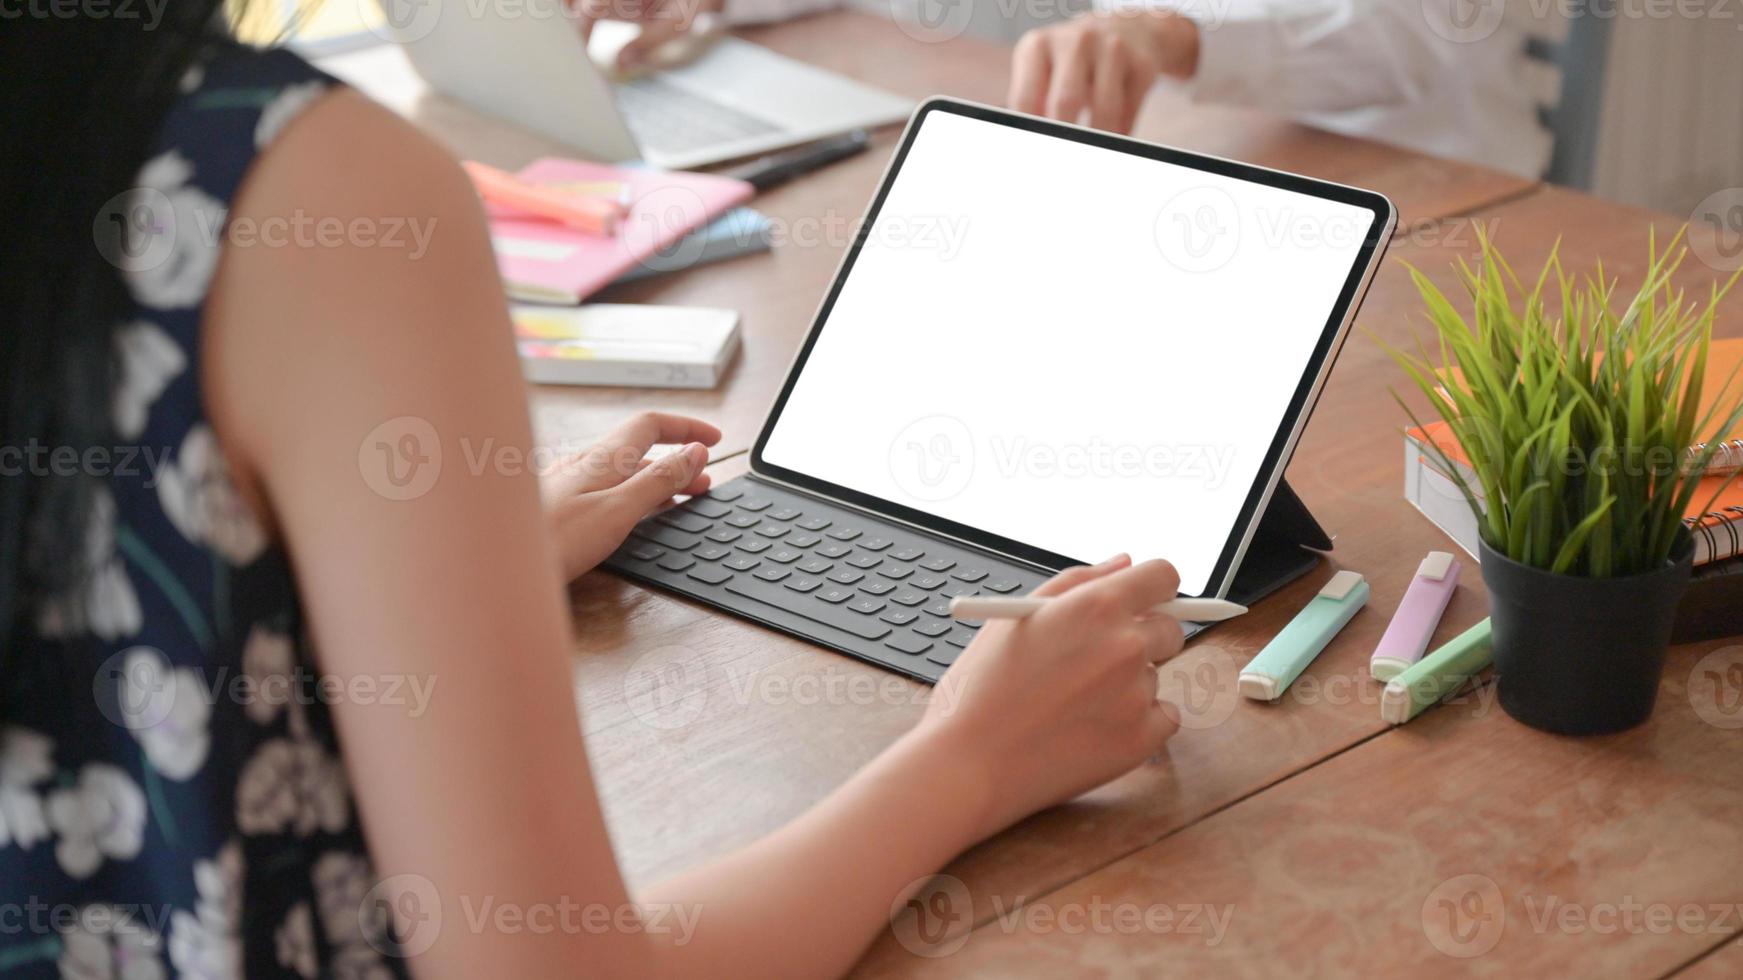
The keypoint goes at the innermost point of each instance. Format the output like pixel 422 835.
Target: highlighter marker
pixel 1437 675
pixel 1413 625
pixel 1269 674
pixel 589 213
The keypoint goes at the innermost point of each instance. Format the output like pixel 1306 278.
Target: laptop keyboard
pixel 875 590
pixel 673 120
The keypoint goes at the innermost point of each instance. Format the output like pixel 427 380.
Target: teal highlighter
pixel 1269 674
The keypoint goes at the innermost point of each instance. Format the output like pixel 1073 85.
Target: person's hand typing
pixel 1101 63
pixel 593 498
pixel 1064 700
pixel 660 21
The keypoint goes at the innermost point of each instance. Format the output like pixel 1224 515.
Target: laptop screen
pixel 1062 342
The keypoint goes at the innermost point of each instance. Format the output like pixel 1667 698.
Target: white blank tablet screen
pixel 1079 349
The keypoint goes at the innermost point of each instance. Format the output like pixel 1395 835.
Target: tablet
pixel 1060 344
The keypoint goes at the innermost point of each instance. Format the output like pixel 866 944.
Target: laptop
pixel 1047 345
pixel 527 63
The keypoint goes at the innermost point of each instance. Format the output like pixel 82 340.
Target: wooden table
pixel 1324 842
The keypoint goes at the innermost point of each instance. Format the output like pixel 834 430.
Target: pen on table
pixel 778 168
pixel 1000 607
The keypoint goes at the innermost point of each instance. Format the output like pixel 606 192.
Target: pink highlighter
pixel 1418 614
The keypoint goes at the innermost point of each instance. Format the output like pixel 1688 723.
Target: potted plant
pixel 1580 424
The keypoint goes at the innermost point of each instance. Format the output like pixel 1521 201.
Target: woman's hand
pixel 595 497
pixel 1101 62
pixel 1065 700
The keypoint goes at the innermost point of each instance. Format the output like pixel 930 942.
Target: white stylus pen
pixel 1001 607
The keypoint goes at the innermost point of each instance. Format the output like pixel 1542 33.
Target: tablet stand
pixel 1286 546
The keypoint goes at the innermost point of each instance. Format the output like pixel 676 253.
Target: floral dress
pixel 173 802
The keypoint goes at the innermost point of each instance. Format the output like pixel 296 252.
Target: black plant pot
pixel 1581 656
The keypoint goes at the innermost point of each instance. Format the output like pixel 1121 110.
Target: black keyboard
pixel 871 589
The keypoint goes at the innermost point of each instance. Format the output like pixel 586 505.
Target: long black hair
pixel 84 88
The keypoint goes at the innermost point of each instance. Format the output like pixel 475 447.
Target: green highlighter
pixel 1437 675
pixel 1269 674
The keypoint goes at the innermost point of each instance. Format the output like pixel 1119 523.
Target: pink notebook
pixel 543 262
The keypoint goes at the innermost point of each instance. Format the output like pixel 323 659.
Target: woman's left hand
pixel 596 496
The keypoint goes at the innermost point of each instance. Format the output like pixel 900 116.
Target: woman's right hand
pixel 1065 700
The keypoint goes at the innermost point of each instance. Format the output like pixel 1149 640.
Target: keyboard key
pixel 744 520
pixel 895 571
pixel 785 556
pixel 802 583
pixel 726 493
pixel 771 573
pixel 874 543
pixel 969 574
pixel 972 624
pixel 833 550
pixel 955 589
pixel 818 612
pixel 926 582
pixel 724 535
pixel 676 563
pixel 771 530
pixel 708 508
pixel 909 643
pixel 845 533
pixel 906 554
pixel 752 545
pixel 743 563
pixel 865 561
pixel 710 574
pixel 646 552
pixel 814 523
pixel 673 539
pixel 932 628
pixel 876 587
pixel 711 552
pixel 802 539
pixel 939 564
pixel 846 576
pixel 816 566
pixel 960 637
pixel 782 514
pixel 900 617
pixel 755 504
pixel 908 597
pixel 938 607
pixel 866 604
pixel 835 593
pixel 684 522
pixel 944 656
pixel 1003 585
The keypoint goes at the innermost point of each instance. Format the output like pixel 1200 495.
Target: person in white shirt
pixel 1446 77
